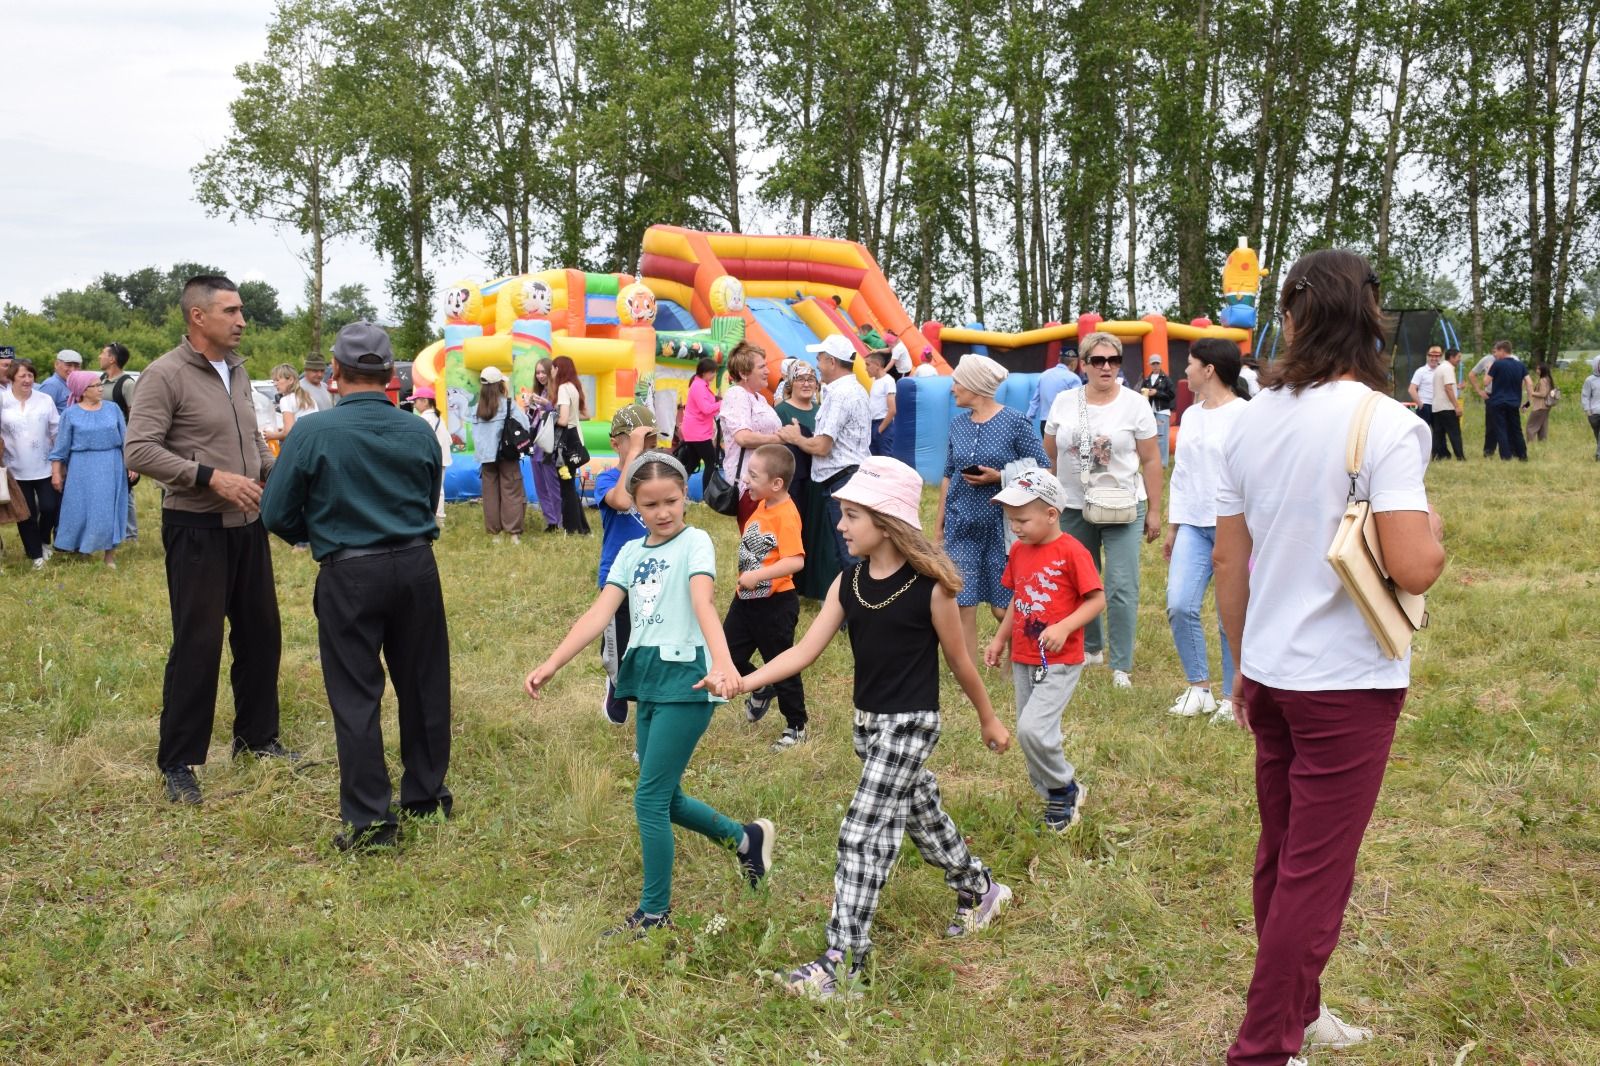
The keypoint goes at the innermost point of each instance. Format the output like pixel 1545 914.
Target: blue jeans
pixel 1187 577
pixel 1163 428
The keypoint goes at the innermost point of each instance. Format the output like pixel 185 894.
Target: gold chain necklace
pixel 855 584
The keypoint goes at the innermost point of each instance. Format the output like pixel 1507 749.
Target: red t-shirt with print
pixel 1048 582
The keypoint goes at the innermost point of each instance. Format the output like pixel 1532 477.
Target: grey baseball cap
pixel 363 346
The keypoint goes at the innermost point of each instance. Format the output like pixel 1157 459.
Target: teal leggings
pixel 667 734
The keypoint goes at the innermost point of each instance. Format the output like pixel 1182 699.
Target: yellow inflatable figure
pixel 1241 286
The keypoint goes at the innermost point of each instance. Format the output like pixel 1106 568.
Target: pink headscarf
pixel 77 381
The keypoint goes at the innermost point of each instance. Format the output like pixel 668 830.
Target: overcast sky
pixel 107 106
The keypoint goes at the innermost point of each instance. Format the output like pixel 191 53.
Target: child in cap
pixel 901 605
pixel 1055 593
pixel 766 607
pixel 633 431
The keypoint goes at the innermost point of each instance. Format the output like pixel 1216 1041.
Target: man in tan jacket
pixel 193 428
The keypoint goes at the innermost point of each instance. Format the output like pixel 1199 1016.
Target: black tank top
pixel 892 636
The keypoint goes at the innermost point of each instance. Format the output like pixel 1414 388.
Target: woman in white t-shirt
pixel 1313 684
pixel 1220 395
pixel 1122 454
pixel 292 401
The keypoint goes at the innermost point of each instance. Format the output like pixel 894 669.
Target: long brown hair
pixel 548 389
pixel 925 558
pixel 489 397
pixel 1335 325
pixel 567 374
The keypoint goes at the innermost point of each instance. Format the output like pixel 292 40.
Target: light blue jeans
pixel 1116 555
pixel 1163 429
pixel 1187 577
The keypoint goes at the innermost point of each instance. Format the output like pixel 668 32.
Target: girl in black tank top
pixel 900 603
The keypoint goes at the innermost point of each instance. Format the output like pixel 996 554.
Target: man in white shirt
pixel 1421 387
pixel 842 438
pixel 1447 406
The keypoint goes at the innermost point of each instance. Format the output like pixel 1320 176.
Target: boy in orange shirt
pixel 766 608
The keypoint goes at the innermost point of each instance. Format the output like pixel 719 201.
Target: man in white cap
pixel 55 386
pixel 843 434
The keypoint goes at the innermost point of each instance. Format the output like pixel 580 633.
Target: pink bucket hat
pixel 887 486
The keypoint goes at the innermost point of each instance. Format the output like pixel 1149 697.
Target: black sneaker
pixel 614 708
pixel 638 924
pixel 182 785
pixel 1064 807
pixel 382 835
pixel 757 704
pixel 756 859
pixel 270 750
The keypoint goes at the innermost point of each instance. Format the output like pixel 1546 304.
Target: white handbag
pixel 1392 614
pixel 5 486
pixel 1103 505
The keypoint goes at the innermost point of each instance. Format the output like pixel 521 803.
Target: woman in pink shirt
pixel 700 417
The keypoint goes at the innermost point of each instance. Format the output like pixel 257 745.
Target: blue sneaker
pixel 976 912
pixel 638 924
pixel 614 709
pixel 1064 808
pixel 757 703
pixel 756 859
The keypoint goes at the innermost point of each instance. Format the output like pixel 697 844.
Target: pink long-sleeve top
pixel 700 412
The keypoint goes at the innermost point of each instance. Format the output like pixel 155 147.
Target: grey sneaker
pixel 976 912
pixel 1332 1031
pixel 821 980
pixel 791 736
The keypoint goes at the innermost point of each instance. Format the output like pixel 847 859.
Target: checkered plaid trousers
pixel 897 795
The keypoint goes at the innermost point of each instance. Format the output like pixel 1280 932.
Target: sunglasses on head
pixel 1104 360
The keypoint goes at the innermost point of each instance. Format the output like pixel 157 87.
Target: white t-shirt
pixel 1251 379
pixel 221 367
pixel 1444 375
pixel 1482 368
pixel 1283 469
pixel 568 394
pixel 1113 453
pixel 1193 492
pixel 878 398
pixel 925 370
pixel 902 358
pixel 1423 380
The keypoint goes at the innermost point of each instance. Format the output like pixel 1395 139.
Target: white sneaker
pixel 38 564
pixel 1332 1031
pixel 1195 700
pixel 1121 679
pixel 1094 658
pixel 516 539
pixel 1296 1061
pixel 1223 715
pixel 48 551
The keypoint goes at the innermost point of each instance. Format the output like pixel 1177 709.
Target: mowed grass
pixel 134 931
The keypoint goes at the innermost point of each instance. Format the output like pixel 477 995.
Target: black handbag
pixel 718 493
pixel 570 450
pixel 516 439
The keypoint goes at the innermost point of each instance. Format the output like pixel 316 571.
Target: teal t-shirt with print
pixel 666 654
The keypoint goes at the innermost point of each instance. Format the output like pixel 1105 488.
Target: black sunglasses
pixel 1105 360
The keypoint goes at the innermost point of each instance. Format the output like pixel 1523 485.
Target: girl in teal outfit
pixel 676 656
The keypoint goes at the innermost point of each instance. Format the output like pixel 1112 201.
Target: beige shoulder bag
pixel 1392 614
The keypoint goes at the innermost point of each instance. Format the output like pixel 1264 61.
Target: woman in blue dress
pixel 86 468
pixel 984 438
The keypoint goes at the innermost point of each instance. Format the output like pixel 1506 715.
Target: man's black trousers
pixel 390 604
pixel 216 574
pixel 767 626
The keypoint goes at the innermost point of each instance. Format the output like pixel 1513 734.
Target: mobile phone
pixel 972 471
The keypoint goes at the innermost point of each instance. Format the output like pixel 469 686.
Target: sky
pixel 108 105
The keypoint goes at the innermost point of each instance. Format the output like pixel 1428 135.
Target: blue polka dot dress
pixel 974 525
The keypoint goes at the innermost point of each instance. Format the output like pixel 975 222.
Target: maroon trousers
pixel 1320 758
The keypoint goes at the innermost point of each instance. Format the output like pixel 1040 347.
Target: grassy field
pixel 134 931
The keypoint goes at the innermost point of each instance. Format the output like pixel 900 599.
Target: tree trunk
pixel 1569 215
pixel 808 101
pixel 1019 226
pixel 975 234
pixel 1131 193
pixel 1191 192
pixel 1347 111
pixel 1538 275
pixel 1391 150
pixel 730 148
pixel 318 259
pixel 1263 130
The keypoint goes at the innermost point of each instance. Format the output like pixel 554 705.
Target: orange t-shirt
pixel 772 533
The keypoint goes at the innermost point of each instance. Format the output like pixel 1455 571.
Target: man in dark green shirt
pixel 360 483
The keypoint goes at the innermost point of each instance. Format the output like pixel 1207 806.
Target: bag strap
pixel 1356 446
pixel 1083 436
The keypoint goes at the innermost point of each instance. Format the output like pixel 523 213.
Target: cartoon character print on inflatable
pixel 455 303
pixel 463 306
pixel 537 299
pixel 636 305
pixel 727 295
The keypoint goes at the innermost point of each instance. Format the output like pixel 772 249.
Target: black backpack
pixel 516 439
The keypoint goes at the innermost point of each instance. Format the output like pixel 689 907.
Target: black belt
pixel 843 475
pixel 344 554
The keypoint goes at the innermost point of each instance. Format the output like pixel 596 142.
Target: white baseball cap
pixel 491 375
pixel 67 355
pixel 1033 484
pixel 836 346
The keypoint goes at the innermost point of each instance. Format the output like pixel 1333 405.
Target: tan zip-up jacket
pixel 185 424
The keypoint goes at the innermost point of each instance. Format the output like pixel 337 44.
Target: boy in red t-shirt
pixel 766 608
pixel 1055 593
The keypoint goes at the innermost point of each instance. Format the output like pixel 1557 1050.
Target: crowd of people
pixel 1041 516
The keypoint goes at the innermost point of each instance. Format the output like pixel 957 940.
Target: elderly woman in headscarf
pixel 985 437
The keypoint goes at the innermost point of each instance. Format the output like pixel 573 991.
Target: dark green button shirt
pixel 360 475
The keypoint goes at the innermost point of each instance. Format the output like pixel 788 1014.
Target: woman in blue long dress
pixel 86 468
pixel 984 438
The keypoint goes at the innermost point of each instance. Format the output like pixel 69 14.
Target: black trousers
pixel 704 452
pixel 1490 431
pixel 767 626
pixel 389 604
pixel 1447 434
pixel 1507 419
pixel 44 505
pixel 216 574
pixel 573 519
